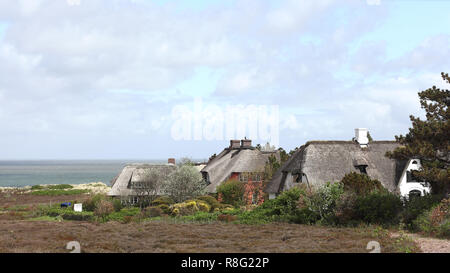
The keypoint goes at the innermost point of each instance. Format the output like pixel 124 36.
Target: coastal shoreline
pixel 94 187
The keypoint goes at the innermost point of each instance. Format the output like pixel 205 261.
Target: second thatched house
pixel 128 183
pixel 319 162
pixel 240 161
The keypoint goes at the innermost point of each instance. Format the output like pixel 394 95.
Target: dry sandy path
pixel 427 244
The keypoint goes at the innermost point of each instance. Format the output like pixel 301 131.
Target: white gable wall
pixel 406 187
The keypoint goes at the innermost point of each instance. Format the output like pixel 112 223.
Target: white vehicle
pixel 409 185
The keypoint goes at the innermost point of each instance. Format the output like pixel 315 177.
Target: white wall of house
pixel 406 185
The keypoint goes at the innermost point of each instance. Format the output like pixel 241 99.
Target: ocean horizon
pixel 21 173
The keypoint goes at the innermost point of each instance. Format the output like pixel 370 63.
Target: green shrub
pixel 91 203
pixel 232 192
pixel 417 205
pixel 436 221
pixel 211 201
pixel 59 187
pixel 124 214
pixel 282 208
pixel 361 184
pixel 153 212
pixel 117 204
pixel 322 203
pixel 165 208
pixel 189 207
pixel 163 200
pixel 345 210
pixel 103 209
pixel 37 187
pixel 381 208
pixel 58 192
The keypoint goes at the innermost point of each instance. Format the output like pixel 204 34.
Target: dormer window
pixel 362 168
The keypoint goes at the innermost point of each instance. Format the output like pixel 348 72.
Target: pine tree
pixel 429 140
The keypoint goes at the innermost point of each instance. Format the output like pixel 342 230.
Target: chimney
pixel 246 143
pixel 234 144
pixel 171 161
pixel 361 137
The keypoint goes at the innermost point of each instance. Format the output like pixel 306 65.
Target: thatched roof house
pixel 319 162
pixel 240 157
pixel 132 173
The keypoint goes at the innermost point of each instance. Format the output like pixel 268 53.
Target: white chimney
pixel 361 137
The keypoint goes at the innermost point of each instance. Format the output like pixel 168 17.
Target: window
pixel 410 177
pixel 297 178
pixel 255 197
pixel 414 162
pixel 362 169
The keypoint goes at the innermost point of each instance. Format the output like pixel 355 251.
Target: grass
pixel 52 187
pixel 48 234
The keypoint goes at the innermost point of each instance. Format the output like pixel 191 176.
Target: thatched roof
pixel 236 160
pixel 133 173
pixel 329 161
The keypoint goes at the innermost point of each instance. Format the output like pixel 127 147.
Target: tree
pixel 148 187
pixel 184 183
pixel 429 140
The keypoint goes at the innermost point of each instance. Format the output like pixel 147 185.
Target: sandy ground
pixel 427 244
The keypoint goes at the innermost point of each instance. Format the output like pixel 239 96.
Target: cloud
pixel 109 71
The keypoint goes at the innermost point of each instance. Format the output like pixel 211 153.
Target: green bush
pixel 322 203
pixel 103 209
pixel 124 214
pixel 91 203
pixel 436 221
pixel 153 212
pixel 163 200
pixel 58 192
pixel 165 208
pixel 211 201
pixel 361 184
pixel 282 208
pixel 232 192
pixel 417 205
pixel 117 204
pixel 381 208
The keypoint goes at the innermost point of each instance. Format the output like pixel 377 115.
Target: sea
pixel 37 172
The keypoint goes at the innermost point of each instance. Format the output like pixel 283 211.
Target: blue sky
pixel 100 80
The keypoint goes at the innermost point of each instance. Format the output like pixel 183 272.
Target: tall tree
pixel 429 140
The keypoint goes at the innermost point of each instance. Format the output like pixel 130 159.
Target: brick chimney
pixel 246 143
pixel 171 161
pixel 234 144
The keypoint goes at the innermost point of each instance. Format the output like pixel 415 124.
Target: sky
pixel 100 79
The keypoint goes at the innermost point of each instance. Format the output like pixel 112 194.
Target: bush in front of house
pixel 361 184
pixel 415 206
pixel 153 212
pixel 163 200
pixel 322 203
pixel 282 208
pixel 378 207
pixel 189 207
pixel 103 209
pixel 436 221
pixel 91 203
pixel 125 215
pixel 211 201
pixel 231 192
